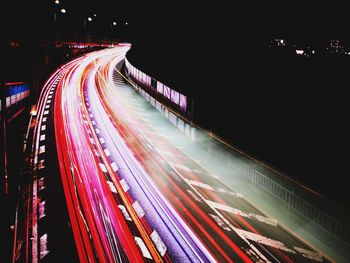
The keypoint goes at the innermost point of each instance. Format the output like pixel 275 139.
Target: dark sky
pixel 302 19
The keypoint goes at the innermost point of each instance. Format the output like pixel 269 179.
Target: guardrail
pixel 161 89
pixel 336 230
pixel 174 118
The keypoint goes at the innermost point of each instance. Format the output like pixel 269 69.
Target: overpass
pixel 115 176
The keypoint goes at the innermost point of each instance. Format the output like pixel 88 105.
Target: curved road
pixel 132 195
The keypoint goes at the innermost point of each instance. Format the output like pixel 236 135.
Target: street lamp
pixel 57 10
pixel 114 23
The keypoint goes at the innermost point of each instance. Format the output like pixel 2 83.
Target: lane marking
pixel 103 167
pixel 200 184
pixel 124 185
pixel 42 209
pixel 41 183
pixel 236 211
pixel 138 209
pixel 112 187
pixel 42 149
pixel 41 164
pixel 196 197
pixel 264 240
pixel 179 166
pixel 238 195
pixel 215 176
pixel 115 168
pixel 143 248
pixel 220 223
pixel 43 246
pixel 125 212
pixel 209 187
pixel 158 243
pixel 107 152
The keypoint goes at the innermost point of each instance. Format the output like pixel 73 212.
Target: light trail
pixel 132 194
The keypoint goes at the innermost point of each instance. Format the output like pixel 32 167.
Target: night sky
pixel 305 20
pixel 287 111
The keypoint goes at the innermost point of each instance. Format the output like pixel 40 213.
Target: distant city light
pixel 335 47
pixel 114 23
pixel 126 23
pixel 63 11
pixel 95 15
pixel 57 2
pixel 89 19
pixel 280 42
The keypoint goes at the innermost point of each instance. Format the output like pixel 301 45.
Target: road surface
pixel 132 194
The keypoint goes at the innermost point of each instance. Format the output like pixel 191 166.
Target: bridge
pixel 115 175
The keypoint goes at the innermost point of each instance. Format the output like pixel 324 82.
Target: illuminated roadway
pixel 132 195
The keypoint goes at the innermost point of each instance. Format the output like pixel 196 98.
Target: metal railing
pixel 336 230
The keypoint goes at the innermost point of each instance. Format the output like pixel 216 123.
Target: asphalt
pixel 179 144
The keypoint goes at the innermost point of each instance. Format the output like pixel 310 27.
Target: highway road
pixel 131 193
